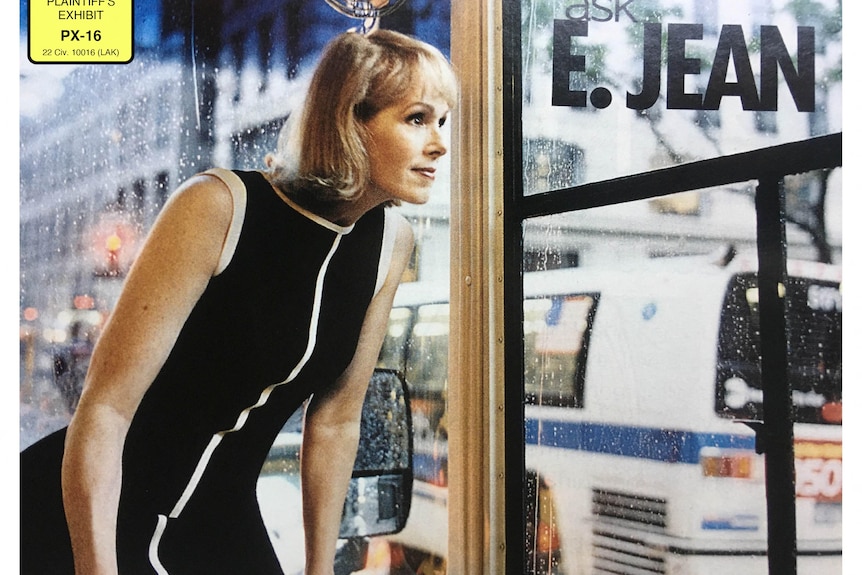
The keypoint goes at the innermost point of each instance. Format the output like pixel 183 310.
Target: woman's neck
pixel 342 211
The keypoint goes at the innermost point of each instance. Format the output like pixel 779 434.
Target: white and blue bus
pixel 635 383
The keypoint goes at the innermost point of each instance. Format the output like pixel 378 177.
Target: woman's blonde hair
pixel 321 158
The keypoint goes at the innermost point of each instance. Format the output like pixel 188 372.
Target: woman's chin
pixel 417 198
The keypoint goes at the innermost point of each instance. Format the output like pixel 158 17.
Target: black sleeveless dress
pixel 280 322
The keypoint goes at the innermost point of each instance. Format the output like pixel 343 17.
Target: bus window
pixel 813 319
pixel 556 332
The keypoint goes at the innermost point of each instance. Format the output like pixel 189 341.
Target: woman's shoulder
pixel 210 191
pixel 224 193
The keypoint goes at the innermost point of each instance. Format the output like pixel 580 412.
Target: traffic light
pixel 113 245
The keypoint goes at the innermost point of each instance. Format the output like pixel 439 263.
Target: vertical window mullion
pixel 513 288
pixel 776 433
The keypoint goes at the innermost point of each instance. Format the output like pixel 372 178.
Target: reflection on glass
pixel 552 164
pixel 639 360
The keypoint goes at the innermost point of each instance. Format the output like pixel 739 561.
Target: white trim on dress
pixel 215 440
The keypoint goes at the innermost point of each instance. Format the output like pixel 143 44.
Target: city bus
pixel 637 382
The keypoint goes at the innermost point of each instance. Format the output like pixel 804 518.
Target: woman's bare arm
pixel 331 430
pixel 169 275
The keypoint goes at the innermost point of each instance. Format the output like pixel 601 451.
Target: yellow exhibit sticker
pixel 80 31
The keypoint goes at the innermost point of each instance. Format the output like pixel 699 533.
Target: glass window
pixel 635 86
pixel 654 339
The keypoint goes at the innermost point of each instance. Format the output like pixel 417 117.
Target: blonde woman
pixel 254 292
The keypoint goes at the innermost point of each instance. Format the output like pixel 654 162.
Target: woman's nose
pixel 437 143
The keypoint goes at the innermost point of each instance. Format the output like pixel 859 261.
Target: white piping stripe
pixel 154 546
pixel 390 232
pixel 239 197
pixel 195 478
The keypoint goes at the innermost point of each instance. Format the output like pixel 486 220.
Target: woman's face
pixel 405 141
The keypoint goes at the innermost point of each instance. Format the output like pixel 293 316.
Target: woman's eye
pixel 442 122
pixel 417 119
